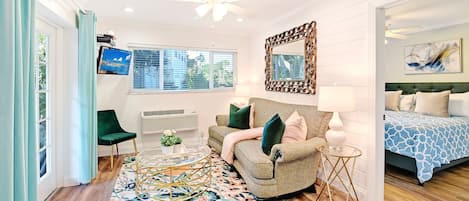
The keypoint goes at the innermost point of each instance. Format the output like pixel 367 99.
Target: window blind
pixel 174 69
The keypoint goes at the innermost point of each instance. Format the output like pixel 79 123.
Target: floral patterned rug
pixel 226 185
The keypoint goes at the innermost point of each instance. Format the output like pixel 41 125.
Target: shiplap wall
pixel 343 59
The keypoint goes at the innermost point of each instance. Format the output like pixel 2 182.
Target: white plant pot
pixel 179 148
pixel 167 150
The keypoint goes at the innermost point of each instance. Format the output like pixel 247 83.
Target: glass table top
pixel 156 158
pixel 344 151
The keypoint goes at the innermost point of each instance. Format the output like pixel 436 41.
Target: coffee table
pixel 179 176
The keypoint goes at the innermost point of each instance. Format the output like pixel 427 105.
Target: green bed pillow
pixel 239 117
pixel 273 133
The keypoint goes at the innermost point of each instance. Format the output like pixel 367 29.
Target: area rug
pixel 226 185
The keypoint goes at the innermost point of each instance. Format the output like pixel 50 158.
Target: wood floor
pixel 101 187
pixel 449 185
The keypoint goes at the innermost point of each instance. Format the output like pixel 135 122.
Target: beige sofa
pixel 291 166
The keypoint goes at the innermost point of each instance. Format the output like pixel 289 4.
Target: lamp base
pixel 335 138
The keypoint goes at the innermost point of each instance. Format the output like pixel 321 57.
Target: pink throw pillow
pixel 295 128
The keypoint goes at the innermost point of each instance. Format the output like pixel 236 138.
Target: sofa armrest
pixel 292 151
pixel 222 120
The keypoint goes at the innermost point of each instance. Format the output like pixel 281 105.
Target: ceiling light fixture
pixel 240 19
pixel 219 11
pixel 128 10
pixel 218 7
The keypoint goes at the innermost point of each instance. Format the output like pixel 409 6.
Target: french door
pixel 46 39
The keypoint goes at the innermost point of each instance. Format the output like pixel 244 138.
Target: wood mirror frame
pixel 308 85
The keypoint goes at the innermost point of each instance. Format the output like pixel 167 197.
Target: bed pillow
pixel 459 104
pixel 239 117
pixel 251 112
pixel 432 103
pixel 392 100
pixel 407 103
pixel 295 128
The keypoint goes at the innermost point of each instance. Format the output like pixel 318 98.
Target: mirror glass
pixel 288 61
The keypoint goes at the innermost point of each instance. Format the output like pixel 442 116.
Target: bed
pixel 425 144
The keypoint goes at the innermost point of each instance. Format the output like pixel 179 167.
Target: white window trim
pixel 133 91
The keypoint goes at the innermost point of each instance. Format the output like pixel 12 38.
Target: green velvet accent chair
pixel 110 132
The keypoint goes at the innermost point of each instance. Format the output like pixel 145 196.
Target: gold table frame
pixel 194 177
pixel 337 167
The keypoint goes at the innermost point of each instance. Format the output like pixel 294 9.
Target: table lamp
pixel 336 99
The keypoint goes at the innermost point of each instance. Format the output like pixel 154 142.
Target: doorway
pixel 45 65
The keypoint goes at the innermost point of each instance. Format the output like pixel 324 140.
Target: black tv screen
pixel 114 61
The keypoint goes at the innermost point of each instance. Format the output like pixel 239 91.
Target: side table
pixel 343 154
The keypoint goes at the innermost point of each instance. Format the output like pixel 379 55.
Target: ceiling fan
pixel 219 8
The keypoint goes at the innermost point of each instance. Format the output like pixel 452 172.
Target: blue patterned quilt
pixel 432 141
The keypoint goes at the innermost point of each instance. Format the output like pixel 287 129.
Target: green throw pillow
pixel 273 133
pixel 239 117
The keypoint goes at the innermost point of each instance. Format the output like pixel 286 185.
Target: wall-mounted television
pixel 113 61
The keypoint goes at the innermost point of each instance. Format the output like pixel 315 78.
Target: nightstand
pixel 343 155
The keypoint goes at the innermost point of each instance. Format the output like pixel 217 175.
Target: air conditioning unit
pixel 181 120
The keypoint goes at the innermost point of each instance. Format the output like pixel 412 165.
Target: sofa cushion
pixel 239 117
pixel 250 155
pixel 273 133
pixel 316 121
pixel 219 132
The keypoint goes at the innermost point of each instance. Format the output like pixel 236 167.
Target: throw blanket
pixel 231 139
pixel 432 141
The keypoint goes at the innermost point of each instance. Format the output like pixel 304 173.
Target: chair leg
pixel 117 147
pixel 112 157
pixel 135 146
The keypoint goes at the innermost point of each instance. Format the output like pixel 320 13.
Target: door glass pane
pixel 42 63
pixel 42 134
pixel 42 105
pixel 43 43
pixel 42 162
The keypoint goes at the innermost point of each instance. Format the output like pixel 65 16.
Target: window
pixel 172 69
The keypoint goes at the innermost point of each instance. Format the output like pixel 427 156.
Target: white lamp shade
pixel 336 99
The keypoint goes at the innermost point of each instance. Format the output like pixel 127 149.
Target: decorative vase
pixel 167 149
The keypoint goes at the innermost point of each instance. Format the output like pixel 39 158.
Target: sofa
pixel 290 167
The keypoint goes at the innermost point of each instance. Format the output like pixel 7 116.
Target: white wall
pixel 343 59
pixel 113 91
pixel 395 55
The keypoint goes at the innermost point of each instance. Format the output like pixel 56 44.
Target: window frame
pixel 161 48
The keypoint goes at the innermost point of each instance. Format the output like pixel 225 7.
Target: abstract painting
pixel 433 57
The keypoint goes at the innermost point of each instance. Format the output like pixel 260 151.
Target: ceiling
pixel 172 12
pixel 427 14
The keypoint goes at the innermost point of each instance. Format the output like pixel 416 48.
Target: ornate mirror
pixel 291 60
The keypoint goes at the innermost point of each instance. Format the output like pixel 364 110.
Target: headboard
pixel 412 88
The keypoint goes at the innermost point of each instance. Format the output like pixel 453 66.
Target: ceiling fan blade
pixel 235 9
pixel 227 1
pixel 192 1
pixel 203 9
pixel 389 34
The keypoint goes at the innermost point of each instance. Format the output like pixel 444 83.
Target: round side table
pixel 343 155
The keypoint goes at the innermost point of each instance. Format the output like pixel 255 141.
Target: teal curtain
pixel 18 143
pixel 87 96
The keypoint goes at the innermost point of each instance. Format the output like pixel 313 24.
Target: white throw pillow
pixel 407 103
pixel 459 104
pixel 295 128
pixel 251 112
pixel 435 104
pixel 392 100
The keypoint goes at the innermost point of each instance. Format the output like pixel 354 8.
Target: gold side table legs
pixel 339 166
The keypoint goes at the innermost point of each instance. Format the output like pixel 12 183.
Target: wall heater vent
pixel 153 122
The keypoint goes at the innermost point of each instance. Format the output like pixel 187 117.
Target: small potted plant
pixel 168 141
